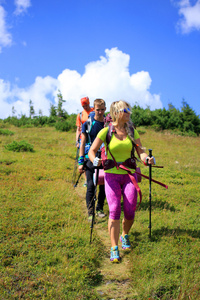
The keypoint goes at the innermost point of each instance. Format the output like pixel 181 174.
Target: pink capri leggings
pixel 117 185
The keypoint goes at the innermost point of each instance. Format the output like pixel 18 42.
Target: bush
pixel 6 132
pixel 63 125
pixel 21 146
pixel 185 121
pixel 18 122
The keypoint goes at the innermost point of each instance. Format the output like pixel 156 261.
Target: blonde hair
pixel 115 109
pixel 99 101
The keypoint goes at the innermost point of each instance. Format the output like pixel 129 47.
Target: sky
pixel 146 52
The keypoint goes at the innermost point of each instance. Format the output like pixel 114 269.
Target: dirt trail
pixel 116 277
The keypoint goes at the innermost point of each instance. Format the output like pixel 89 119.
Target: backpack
pixel 129 163
pixel 80 116
pixel 110 163
pixel 90 122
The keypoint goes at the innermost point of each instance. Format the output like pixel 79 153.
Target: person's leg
pixel 130 201
pixel 126 226
pixel 85 183
pixel 90 187
pixel 113 196
pixel 129 193
pixel 114 230
pixel 101 198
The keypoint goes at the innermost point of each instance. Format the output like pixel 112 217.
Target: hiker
pixel 80 120
pixel 87 136
pixel 82 117
pixel 117 181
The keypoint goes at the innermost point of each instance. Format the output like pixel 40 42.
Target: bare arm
pixel 82 150
pixel 94 148
pixel 78 132
pixel 142 154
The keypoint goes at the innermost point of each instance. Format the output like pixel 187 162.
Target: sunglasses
pixel 126 110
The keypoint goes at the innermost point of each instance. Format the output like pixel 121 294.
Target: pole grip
pixel 99 153
pixel 150 152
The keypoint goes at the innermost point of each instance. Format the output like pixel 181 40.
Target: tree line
pixel 182 122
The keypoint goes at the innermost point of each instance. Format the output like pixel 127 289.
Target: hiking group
pixel 118 142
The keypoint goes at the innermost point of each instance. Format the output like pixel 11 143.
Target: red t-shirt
pixel 84 117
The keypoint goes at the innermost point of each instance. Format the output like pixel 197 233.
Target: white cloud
pixel 21 6
pixel 108 78
pixel 5 36
pixel 40 92
pixel 190 16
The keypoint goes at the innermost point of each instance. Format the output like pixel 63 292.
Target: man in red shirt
pixel 82 117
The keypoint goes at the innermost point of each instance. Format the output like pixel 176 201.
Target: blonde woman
pixel 117 181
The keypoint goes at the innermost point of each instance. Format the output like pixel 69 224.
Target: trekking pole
pixel 75 168
pixel 84 166
pixel 94 197
pixel 150 155
pixel 75 185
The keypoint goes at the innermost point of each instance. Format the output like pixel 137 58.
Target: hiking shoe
pixel 85 184
pixel 114 255
pixel 125 242
pixel 100 214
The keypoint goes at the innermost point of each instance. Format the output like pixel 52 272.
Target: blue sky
pixel 141 51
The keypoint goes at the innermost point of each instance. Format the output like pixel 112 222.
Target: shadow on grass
pixel 175 232
pixel 7 162
pixel 137 238
pixel 156 235
pixel 71 156
pixel 157 204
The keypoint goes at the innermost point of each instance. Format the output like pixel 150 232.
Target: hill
pixel 45 251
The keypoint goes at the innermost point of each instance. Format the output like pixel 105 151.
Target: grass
pixel 45 251
pixel 167 266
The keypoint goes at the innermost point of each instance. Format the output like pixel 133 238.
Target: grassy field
pixel 44 232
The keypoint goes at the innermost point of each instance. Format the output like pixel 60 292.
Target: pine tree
pixel 31 109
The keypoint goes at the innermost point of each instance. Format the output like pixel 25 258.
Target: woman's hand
pixel 80 169
pixel 94 148
pixel 97 162
pixel 150 160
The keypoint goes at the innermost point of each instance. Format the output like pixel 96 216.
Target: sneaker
pixel 114 255
pixel 125 242
pixel 85 184
pixel 100 214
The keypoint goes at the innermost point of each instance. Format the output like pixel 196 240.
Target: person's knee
pixel 129 215
pixel 115 215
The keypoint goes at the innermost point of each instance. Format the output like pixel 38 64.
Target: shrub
pixel 63 125
pixel 6 132
pixel 21 146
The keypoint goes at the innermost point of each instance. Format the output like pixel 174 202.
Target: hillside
pixel 45 250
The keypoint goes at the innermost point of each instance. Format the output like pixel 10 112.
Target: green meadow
pixel 45 251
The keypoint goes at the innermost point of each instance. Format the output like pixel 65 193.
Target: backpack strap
pixel 111 130
pixel 80 115
pixel 90 122
pixel 131 176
